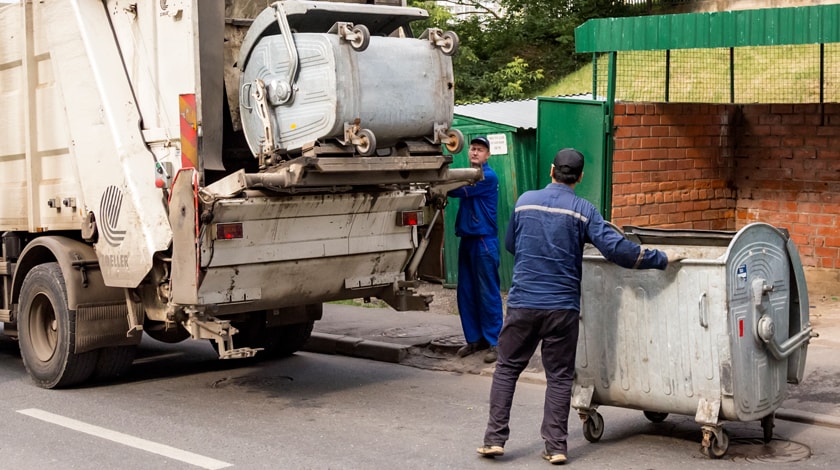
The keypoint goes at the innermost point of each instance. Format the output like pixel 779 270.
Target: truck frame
pixel 162 171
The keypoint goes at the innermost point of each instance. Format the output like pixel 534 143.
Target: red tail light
pixel 228 231
pixel 410 218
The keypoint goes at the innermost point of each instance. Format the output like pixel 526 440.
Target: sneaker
pixel 554 459
pixel 491 355
pixel 469 348
pixel 490 451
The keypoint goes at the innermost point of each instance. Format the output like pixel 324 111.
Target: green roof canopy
pixel 766 27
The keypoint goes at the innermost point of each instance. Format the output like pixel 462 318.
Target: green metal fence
pixel 774 55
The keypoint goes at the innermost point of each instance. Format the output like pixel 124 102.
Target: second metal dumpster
pixel 718 335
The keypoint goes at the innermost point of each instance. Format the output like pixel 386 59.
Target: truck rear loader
pixel 212 170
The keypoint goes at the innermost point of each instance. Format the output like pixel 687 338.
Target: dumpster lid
pixel 653 236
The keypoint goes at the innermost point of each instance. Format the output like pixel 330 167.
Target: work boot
pixel 490 451
pixel 491 355
pixel 554 458
pixel 468 349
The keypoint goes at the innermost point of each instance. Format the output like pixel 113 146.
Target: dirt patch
pixel 445 300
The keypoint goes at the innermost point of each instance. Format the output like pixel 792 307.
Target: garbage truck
pixel 212 171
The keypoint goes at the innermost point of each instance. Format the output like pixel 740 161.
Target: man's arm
pixel 487 185
pixel 620 250
pixel 510 235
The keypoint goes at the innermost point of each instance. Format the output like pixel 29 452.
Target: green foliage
pixel 517 54
pixel 512 80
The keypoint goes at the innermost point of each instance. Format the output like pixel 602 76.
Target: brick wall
pixel 787 161
pixel 673 166
pixel 707 166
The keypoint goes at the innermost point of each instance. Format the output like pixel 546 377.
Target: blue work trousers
pixel 523 330
pixel 479 294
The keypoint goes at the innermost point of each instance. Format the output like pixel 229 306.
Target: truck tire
pixel 276 342
pixel 47 331
pixel 289 339
pixel 114 362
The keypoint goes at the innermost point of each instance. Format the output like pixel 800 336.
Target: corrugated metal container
pixel 511 128
pixel 717 336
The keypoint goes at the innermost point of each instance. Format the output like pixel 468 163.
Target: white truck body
pixel 131 200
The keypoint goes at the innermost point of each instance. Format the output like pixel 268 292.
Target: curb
pixel 808 418
pixel 326 343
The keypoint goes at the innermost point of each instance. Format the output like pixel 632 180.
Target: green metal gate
pixel 516 172
pixel 584 125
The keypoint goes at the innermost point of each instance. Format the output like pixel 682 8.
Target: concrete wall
pixel 707 166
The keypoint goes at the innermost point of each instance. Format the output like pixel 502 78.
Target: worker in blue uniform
pixel 479 294
pixel 546 234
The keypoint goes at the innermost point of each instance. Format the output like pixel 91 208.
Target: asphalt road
pixel 182 408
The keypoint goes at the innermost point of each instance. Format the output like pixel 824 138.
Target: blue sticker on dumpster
pixel 742 273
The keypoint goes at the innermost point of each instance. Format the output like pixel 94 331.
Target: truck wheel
pixel 655 416
pixel 160 331
pixel 114 362
pixel 276 342
pixel 47 331
pixel 289 339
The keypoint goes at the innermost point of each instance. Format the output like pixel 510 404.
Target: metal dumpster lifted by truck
pixel 211 170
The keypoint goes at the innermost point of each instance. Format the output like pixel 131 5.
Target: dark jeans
pixel 522 331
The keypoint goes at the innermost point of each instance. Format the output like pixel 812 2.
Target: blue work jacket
pixel 478 206
pixel 546 234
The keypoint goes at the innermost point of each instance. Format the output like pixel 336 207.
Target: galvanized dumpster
pixel 718 335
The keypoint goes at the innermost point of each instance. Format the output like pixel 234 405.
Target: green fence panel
pixel 517 173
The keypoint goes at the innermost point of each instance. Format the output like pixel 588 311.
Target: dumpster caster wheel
pixel 767 425
pixel 655 416
pixel 593 427
pixel 455 141
pixel 361 38
pixel 367 143
pixel 450 43
pixel 718 441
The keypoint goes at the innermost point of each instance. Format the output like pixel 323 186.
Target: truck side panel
pixel 104 124
pixel 38 179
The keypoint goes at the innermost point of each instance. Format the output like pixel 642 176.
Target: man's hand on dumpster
pixel 674 256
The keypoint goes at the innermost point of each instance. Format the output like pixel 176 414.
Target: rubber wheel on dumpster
pixel 593 427
pixel 362 40
pixel 450 43
pixel 655 416
pixel 718 445
pixel 368 145
pixel 456 141
pixel 47 331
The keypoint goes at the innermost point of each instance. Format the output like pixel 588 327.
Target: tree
pixel 516 54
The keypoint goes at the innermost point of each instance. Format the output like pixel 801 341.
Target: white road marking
pixel 125 439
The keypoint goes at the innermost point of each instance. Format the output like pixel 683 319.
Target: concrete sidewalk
pixel 429 340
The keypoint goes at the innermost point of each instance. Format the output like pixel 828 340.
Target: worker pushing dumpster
pixel 718 335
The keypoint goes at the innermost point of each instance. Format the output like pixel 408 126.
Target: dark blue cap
pixel 481 140
pixel 569 162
